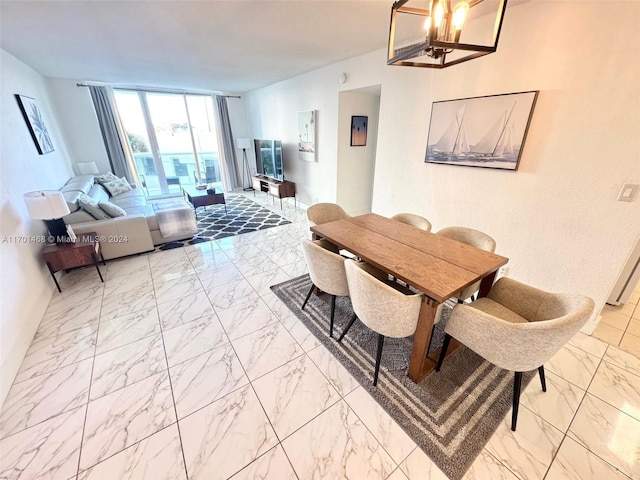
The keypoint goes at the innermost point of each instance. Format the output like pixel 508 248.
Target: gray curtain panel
pixel 227 147
pixel 109 128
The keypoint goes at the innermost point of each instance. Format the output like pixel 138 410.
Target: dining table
pixel 435 265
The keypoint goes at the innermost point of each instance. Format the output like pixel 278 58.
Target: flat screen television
pixel 269 158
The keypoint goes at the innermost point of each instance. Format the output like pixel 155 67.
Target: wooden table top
pixel 435 265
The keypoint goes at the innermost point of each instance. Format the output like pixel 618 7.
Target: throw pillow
pixel 112 209
pixel 117 186
pixel 107 177
pixel 90 206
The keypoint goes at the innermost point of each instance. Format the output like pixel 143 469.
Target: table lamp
pixel 243 144
pixel 50 206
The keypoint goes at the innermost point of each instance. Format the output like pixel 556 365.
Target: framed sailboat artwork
pixel 484 132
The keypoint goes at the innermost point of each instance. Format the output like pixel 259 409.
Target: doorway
pixel 358 112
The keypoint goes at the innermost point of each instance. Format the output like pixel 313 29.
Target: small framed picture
pixel 35 124
pixel 359 130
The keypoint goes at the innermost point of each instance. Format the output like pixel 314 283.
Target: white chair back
pixel 326 268
pixel 413 220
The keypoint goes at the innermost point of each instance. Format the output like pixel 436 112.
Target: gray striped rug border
pixel 451 415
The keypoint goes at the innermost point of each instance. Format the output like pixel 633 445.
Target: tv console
pixel 276 188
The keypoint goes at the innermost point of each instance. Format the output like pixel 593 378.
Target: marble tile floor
pixel 620 326
pixel 184 365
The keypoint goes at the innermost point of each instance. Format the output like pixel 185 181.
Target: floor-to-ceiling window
pixel 173 139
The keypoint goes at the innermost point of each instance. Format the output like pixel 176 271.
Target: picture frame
pixel 487 132
pixel 359 130
pixel 307 136
pixel 35 124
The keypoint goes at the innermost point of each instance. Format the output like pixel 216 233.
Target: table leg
pixel 53 275
pixel 420 365
pixel 486 284
pixel 102 258
pixel 95 262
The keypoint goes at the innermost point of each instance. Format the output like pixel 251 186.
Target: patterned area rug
pixel 450 414
pixel 241 216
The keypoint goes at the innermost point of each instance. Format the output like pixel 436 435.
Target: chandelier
pixel 429 33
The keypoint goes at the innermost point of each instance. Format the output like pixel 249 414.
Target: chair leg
pixel 542 379
pixel 344 332
pixel 443 352
pixel 378 357
pixel 517 384
pixel 333 311
pixel 308 296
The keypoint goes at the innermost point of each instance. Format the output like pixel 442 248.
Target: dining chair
pixel 474 238
pixel 387 308
pixel 413 220
pixel 326 269
pixel 518 328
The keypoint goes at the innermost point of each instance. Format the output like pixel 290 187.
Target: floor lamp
pixel 244 143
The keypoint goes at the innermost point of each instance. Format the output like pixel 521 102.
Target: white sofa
pixel 136 232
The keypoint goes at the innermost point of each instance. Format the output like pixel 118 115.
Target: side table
pixel 64 256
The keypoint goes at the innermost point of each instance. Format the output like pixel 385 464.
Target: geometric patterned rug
pixel 451 414
pixel 241 216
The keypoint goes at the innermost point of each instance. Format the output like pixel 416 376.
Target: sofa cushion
pixel 136 193
pixel 112 209
pixel 107 177
pixel 91 206
pixel 72 200
pixel 81 183
pixel 117 187
pixel 99 193
pixel 79 216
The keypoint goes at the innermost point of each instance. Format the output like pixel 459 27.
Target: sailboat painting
pixel 480 131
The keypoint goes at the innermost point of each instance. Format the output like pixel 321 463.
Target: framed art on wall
pixel 484 132
pixel 35 123
pixel 307 135
pixel 359 130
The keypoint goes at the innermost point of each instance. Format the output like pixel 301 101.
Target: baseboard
pixel 591 325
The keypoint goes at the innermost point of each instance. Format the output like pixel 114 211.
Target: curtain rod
pixel 134 89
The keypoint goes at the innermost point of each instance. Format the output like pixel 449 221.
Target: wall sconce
pixel 437 25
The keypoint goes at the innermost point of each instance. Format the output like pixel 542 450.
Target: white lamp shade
pixel 243 143
pixel 46 204
pixel 87 168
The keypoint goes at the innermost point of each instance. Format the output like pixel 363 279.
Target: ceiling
pixel 205 45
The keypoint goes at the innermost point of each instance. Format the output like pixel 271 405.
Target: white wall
pixel 557 218
pixel 25 284
pixel 356 165
pixel 79 122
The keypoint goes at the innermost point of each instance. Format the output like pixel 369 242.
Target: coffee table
pixel 202 198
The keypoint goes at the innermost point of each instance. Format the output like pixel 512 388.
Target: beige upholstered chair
pixel 474 238
pixel 387 308
pixel 325 212
pixel 413 220
pixel 518 328
pixel 326 269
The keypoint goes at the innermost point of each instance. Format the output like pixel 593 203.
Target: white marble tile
pixel 574 462
pixel 158 457
pixel 77 295
pixel 128 364
pixel 295 269
pixel 125 329
pixel 225 436
pixel 608 334
pixel 167 257
pixel 210 261
pixel 270 245
pixel 126 416
pixel 273 464
pixel 616 319
pixel 48 450
pixel 262 282
pixel 124 286
pixel 184 310
pixel 529 450
pixel 397 474
pixel 205 378
pixel 286 255
pixel 247 317
pixel 557 405
pixel 574 365
pixel 265 350
pixel 293 394
pixel 232 293
pixel 277 306
pixel 168 290
pixel 252 265
pixel 202 248
pixel 589 344
pixel 611 434
pixel 336 444
pixel 631 344
pixel 219 276
pixel 333 370
pixel 623 359
pixel 172 271
pixel 81 277
pixel 193 338
pixel 617 387
pixel 133 301
pixel 50 354
pixel 242 251
pixel 128 265
pixel 388 433
pixel 486 466
pixel 41 398
pixel 57 322
pixel 307 340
